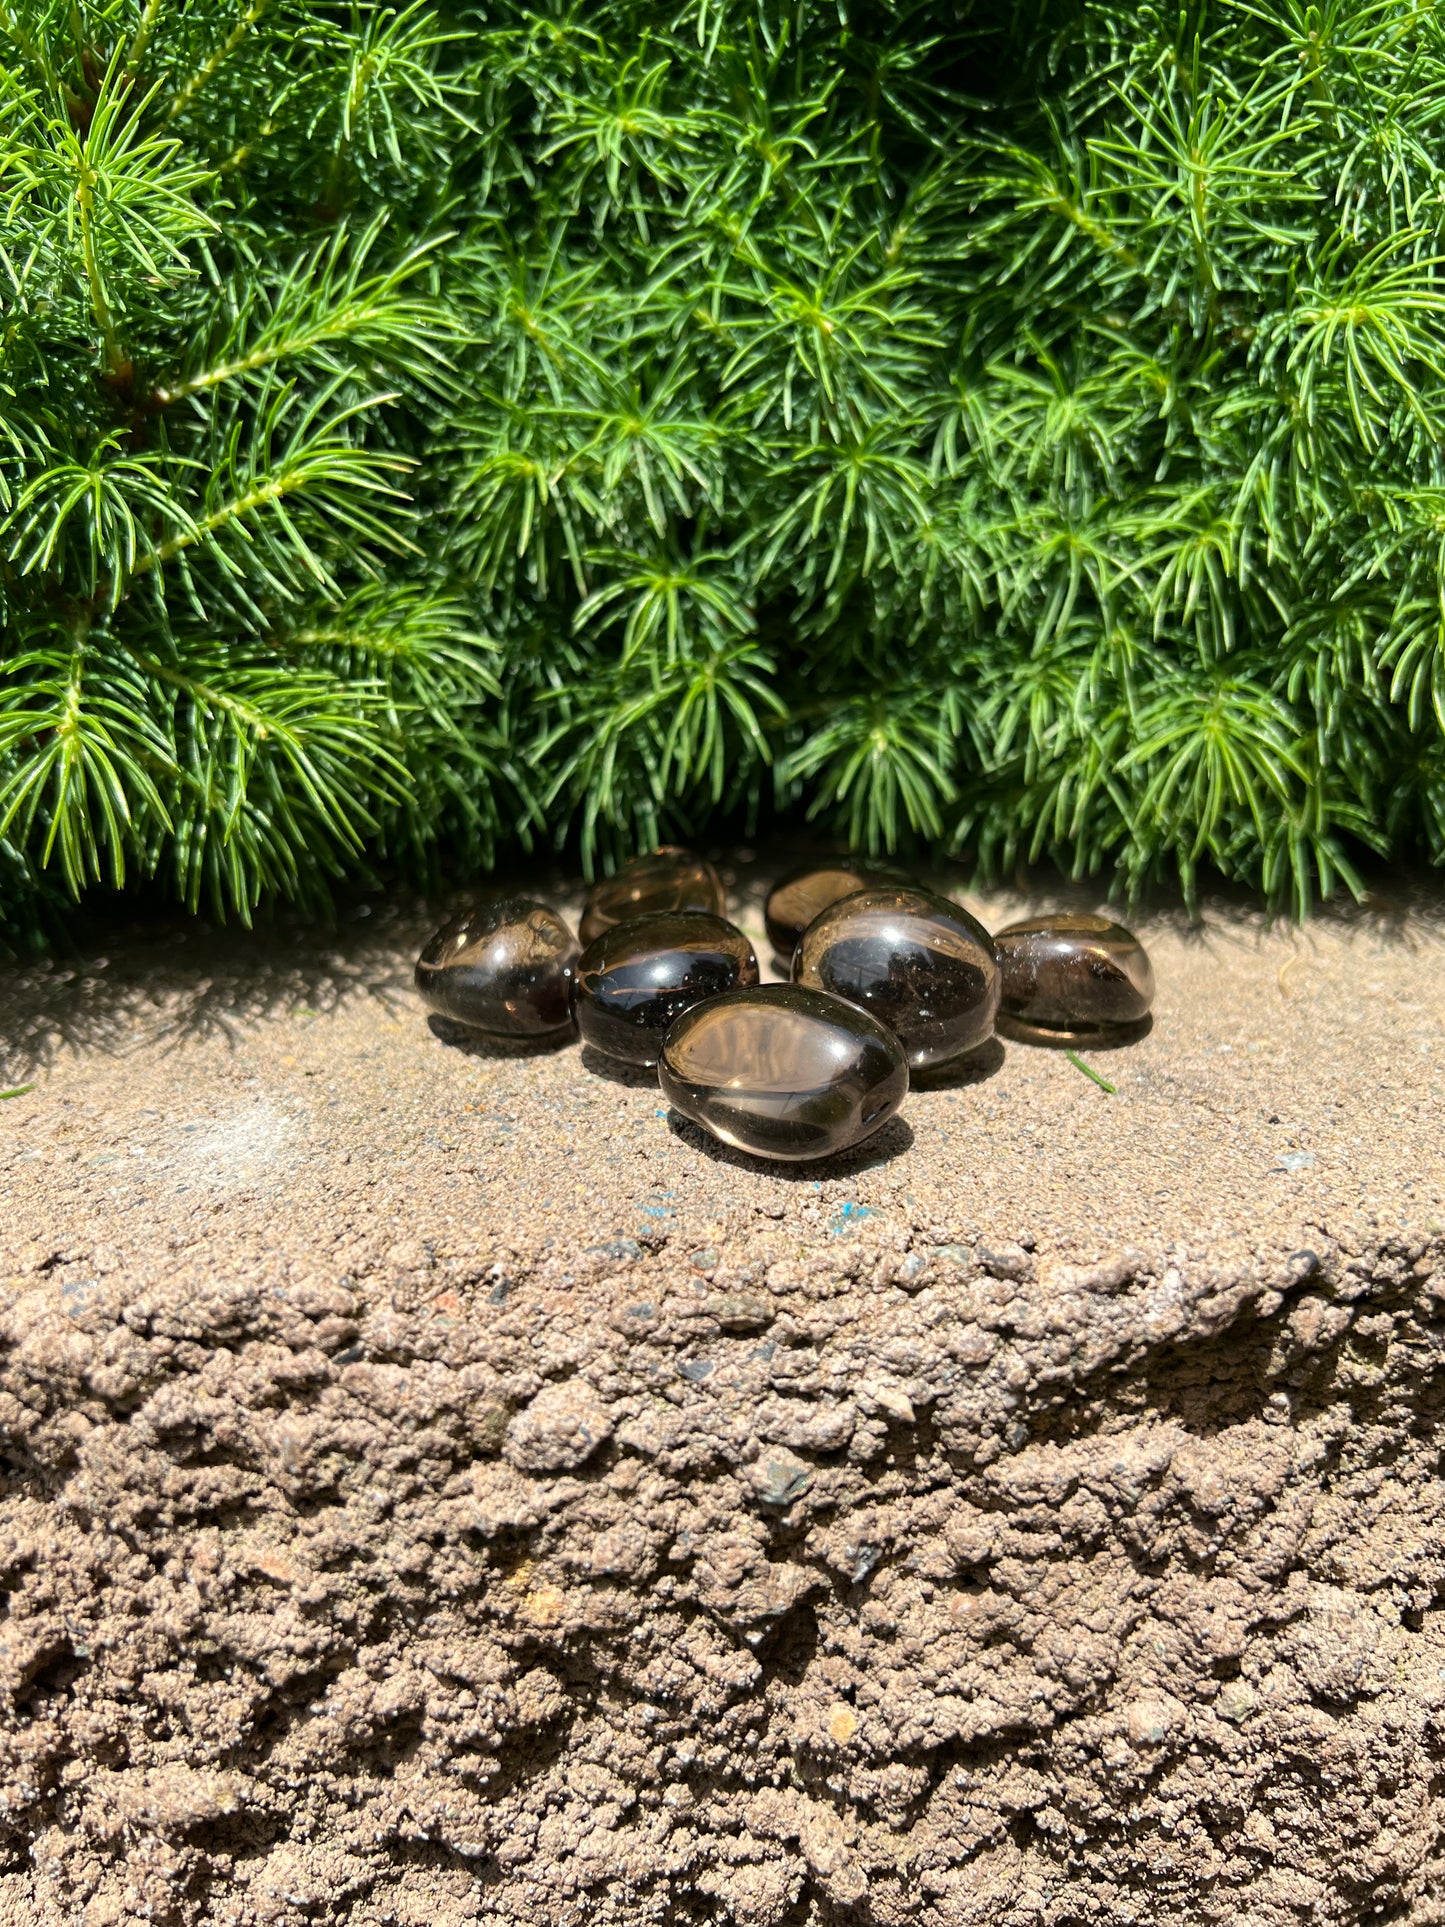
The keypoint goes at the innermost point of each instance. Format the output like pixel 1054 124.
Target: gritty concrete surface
pixel 440 1489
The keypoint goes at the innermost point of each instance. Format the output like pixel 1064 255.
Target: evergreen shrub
pixel 1012 427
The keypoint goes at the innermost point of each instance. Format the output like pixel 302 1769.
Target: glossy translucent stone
pixel 1068 977
pixel 806 892
pixel 665 879
pixel 502 967
pixel 638 977
pixel 783 1071
pixel 915 961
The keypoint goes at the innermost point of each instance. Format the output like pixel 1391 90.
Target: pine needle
pixel 1102 1082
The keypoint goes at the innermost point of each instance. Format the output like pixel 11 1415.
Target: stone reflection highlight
pixel 504 968
pixel 665 879
pixel 1070 978
pixel 638 977
pixel 783 1071
pixel 917 962
pixel 805 893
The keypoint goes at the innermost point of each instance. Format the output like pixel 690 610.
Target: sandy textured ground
pixel 440 1489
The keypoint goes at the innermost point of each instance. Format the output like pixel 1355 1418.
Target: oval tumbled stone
pixel 502 967
pixel 638 977
pixel 915 961
pixel 783 1071
pixel 1069 977
pixel 806 892
pixel 665 879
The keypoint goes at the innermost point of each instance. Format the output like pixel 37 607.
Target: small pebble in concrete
pixel 778 1478
pixel 561 1428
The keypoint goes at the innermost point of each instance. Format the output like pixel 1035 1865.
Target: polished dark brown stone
pixel 915 961
pixel 1067 979
pixel 783 1071
pixel 665 879
pixel 638 977
pixel 805 893
pixel 502 967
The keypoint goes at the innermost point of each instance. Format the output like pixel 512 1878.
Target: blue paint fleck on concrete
pixel 846 1218
pixel 654 1215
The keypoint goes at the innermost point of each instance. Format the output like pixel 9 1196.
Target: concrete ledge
pixel 439 1490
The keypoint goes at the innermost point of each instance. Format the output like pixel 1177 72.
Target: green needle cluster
pixel 1015 427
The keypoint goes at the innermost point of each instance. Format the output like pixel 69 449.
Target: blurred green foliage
pixel 1012 427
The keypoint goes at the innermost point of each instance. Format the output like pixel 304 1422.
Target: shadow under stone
pixel 1110 1037
pixel 886 1144
pixel 974 1067
pixel 481 1043
pixel 637 1077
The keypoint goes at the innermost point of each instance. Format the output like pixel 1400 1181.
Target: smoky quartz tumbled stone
pixel 915 961
pixel 638 977
pixel 502 967
pixel 1068 978
pixel 783 1071
pixel 665 879
pixel 806 892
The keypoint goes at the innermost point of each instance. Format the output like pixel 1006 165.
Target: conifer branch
pixel 99 301
pixel 141 39
pixel 686 418
pixel 196 83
